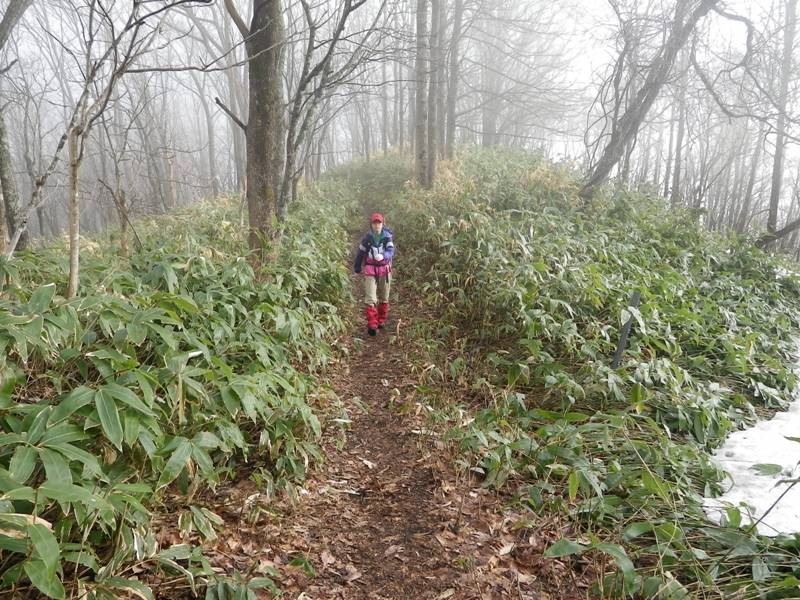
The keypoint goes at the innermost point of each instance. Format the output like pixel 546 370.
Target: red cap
pixel 376 218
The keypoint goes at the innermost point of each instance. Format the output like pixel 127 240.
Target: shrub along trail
pixel 386 516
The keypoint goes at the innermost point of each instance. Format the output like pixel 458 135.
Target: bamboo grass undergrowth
pixel 169 372
pixel 530 289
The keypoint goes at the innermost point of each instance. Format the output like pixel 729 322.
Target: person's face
pixel 377 227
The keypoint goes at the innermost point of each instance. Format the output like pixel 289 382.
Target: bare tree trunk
pixel 12 15
pixel 658 158
pixel 13 210
pixel 412 112
pixel 366 128
pixel 3 227
pixel 452 88
pixel 668 168
pixel 10 212
pixel 399 133
pixel 265 126
pixel 237 100
pixel 491 85
pixel 625 128
pixel 623 181
pixel 171 195
pixel 122 206
pixel 441 79
pixel 744 213
pixel 780 131
pixel 433 88
pixel 73 213
pixel 644 166
pixel 675 194
pixel 384 110
pixel 212 147
pixel 421 110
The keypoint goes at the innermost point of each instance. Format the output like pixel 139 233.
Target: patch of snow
pixel 782 273
pixel 764 443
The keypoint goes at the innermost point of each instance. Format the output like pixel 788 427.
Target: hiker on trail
pixel 374 259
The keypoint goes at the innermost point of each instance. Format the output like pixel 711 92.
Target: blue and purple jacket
pixel 369 248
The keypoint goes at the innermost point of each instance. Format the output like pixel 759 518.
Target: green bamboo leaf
pixel 63 433
pixel 634 530
pixel 38 426
pixel 109 417
pixel 69 492
pixel 146 386
pixel 128 397
pixel 45 545
pixel 21 493
pixel 40 299
pixel 135 585
pixel 89 461
pixel 137 333
pixel 76 399
pixel 654 484
pixel 202 524
pixel 55 466
pixel 132 427
pixel 761 571
pixel 573 485
pixel 767 469
pixel 257 583
pixel 176 552
pixel 22 463
pixel 564 547
pixel 176 462
pixel 13 544
pixel 621 558
pixel 45 581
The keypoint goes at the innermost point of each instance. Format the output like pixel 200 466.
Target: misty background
pixel 162 108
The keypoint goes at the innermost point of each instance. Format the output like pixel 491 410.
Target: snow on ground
pixel 782 273
pixel 764 443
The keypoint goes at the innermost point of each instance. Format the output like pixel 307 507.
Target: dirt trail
pixel 373 512
pixel 386 518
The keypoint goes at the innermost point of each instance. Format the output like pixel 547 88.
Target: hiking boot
pixel 372 331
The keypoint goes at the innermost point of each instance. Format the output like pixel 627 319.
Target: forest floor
pixel 386 516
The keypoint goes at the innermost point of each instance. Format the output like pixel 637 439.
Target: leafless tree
pixel 630 107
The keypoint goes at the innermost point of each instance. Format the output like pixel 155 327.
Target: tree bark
pixel 744 214
pixel 14 12
pixel 3 228
pixel 265 124
pixel 670 146
pixel 13 210
pixel 399 132
pixel 210 134
pixel 421 100
pixel 441 78
pixel 170 192
pixel 452 88
pixel 73 211
pixel 780 130
pixel 433 89
pixel 384 110
pixel 675 192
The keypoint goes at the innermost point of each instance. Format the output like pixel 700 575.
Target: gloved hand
pixel 379 257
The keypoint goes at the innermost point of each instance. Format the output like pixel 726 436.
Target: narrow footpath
pixel 386 517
